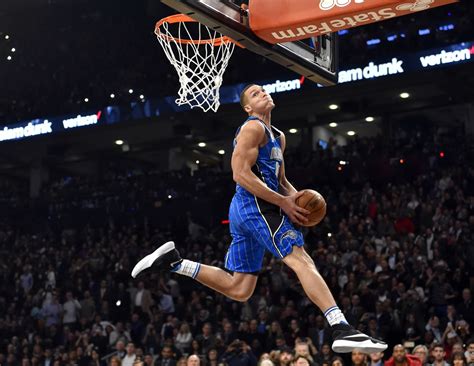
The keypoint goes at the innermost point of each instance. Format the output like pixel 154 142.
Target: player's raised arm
pixel 244 158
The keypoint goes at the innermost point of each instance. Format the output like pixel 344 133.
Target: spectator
pixel 165 302
pixel 400 357
pixel 337 361
pixel 285 357
pixel 51 311
pixel 300 360
pixel 142 299
pixel 130 357
pixel 302 349
pixel 87 307
pixel 421 352
pixel 212 358
pixel 319 334
pixel 376 359
pixel 115 361
pixel 325 355
pixel 470 351
pixel 182 361
pixel 228 334
pixel 151 339
pixel 119 334
pixel 238 353
pixel 71 308
pixel 120 350
pixel 137 329
pixel 466 308
pixel 438 355
pixel 193 360
pixel 433 327
pixel 358 358
pixel 167 357
pixel 458 359
pixel 148 360
pixel 206 339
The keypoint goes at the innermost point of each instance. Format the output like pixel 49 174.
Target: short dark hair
pixel 243 100
pixel 297 357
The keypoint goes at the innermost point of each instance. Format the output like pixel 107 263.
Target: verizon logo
pixel 446 57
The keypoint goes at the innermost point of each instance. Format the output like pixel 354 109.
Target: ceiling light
pixel 130 91
pixel 369 119
pixel 112 95
pixel 333 107
pixel 142 96
pixel 221 152
pixel 7 36
pixel 9 58
pixel 404 95
pixel 293 130
pixel 119 142
pixel 351 133
pixel 197 161
pixel 202 144
pixel 86 100
pixel 333 124
pixel 13 49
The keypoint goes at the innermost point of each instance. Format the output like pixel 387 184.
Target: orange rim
pixel 181 18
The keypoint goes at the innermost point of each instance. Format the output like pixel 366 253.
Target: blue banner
pixel 400 64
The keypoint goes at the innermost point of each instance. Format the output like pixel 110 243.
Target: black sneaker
pixel 166 257
pixel 346 339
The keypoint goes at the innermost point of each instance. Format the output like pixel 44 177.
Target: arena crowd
pixel 396 249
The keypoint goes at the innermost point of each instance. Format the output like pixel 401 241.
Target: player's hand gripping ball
pixel 315 204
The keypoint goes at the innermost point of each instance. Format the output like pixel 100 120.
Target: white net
pixel 200 56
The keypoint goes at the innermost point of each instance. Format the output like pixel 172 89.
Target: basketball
pixel 315 203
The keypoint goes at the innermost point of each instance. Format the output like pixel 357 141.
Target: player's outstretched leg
pixel 346 338
pixel 237 286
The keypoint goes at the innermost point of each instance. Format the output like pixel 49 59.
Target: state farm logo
pixel 418 5
pixel 329 4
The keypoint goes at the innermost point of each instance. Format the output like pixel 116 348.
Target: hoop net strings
pixel 200 66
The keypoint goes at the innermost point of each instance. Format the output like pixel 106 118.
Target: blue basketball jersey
pixel 269 160
pixel 255 224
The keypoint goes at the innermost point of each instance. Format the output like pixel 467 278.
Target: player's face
pixel 258 101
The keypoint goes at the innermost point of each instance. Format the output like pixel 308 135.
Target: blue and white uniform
pixel 255 224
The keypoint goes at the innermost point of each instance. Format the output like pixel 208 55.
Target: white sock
pixel 335 316
pixel 187 268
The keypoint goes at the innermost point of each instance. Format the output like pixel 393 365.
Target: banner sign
pixel 397 65
pixel 454 54
pixel 273 22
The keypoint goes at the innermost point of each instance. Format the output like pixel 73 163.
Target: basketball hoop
pixel 200 56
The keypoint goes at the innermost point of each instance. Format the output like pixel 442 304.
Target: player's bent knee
pixel 242 292
pixel 242 295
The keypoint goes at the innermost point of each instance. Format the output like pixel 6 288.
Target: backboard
pixel 315 59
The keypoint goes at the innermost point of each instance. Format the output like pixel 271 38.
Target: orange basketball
pixel 315 203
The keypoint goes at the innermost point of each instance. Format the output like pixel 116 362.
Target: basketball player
pixel 261 215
